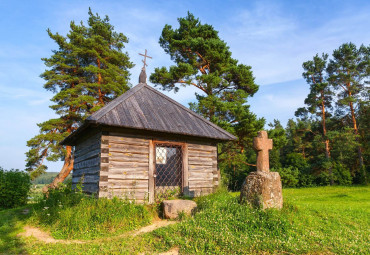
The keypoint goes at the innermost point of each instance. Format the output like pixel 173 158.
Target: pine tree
pixel 204 61
pixel 349 71
pixel 87 71
pixel 319 100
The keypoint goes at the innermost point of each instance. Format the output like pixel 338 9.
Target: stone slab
pixel 262 190
pixel 172 208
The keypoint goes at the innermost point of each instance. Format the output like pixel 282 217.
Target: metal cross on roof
pixel 145 56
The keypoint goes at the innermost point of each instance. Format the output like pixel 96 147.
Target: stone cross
pixel 262 145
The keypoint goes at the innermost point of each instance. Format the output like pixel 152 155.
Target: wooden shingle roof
pixel 145 108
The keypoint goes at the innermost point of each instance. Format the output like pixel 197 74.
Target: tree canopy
pixel 88 70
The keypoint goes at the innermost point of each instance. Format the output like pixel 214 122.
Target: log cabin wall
pixel 86 165
pixel 124 167
pixel 203 176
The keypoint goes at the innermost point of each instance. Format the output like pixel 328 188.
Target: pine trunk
pixel 66 169
pixel 327 146
pixel 359 150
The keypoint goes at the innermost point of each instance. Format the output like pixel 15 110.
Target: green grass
pixel 314 220
pixel 324 220
pixel 74 215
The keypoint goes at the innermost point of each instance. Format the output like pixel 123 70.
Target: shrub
pixel 74 215
pixel 289 176
pixel 342 175
pixel 14 188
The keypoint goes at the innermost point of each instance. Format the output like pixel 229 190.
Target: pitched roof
pixel 145 108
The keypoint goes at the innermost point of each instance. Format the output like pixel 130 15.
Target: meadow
pixel 320 220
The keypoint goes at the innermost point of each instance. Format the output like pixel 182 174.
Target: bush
pixel 342 175
pixel 74 215
pixel 289 176
pixel 14 188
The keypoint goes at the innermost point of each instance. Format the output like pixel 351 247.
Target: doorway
pixel 168 172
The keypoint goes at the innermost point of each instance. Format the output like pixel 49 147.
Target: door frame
pixel 185 168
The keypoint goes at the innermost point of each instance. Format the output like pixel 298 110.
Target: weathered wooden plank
pixel 126 194
pixel 128 184
pixel 114 164
pixel 205 175
pixel 119 139
pixel 82 151
pixel 201 191
pixel 128 157
pixel 201 168
pixel 185 175
pixel 151 171
pixel 121 170
pixel 208 154
pixel 86 179
pixel 200 162
pixel 87 170
pixel 90 188
pixel 88 163
pixel 200 184
pixel 127 175
pixel 91 154
pixel 202 159
pixel 199 147
pixel 126 148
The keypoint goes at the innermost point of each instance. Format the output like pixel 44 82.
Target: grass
pixel 322 220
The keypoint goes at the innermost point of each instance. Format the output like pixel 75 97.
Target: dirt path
pixel 47 238
pixel 43 236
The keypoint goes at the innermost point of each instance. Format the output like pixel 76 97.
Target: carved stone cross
pixel 262 145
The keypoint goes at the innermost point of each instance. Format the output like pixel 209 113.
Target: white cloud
pixel 276 42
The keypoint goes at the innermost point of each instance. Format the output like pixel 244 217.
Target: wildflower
pixel 46 207
pixel 48 214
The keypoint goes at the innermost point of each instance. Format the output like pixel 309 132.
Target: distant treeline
pixel 46 178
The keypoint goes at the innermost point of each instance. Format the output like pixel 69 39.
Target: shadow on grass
pixel 11 223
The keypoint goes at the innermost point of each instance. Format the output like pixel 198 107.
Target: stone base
pixel 262 190
pixel 172 208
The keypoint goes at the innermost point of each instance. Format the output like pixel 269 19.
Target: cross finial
pixel 142 77
pixel 145 56
pixel 262 145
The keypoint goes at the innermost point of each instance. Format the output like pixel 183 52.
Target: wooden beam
pixel 185 170
pixel 151 171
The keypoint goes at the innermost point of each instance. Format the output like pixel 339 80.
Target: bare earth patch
pixel 47 238
pixel 43 236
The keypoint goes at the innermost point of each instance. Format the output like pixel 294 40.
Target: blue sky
pixel 274 37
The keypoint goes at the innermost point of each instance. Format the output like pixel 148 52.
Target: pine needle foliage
pixel 88 70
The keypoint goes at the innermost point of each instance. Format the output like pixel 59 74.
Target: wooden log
pixel 202 159
pixel 114 164
pixel 126 194
pixel 128 184
pixel 200 162
pixel 207 154
pixel 88 163
pixel 91 154
pixel 126 140
pixel 199 147
pixel 201 191
pixel 86 179
pixel 200 184
pixel 151 169
pixel 201 168
pixel 124 148
pixel 121 170
pixel 204 175
pixel 128 157
pixel 185 162
pixel 127 175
